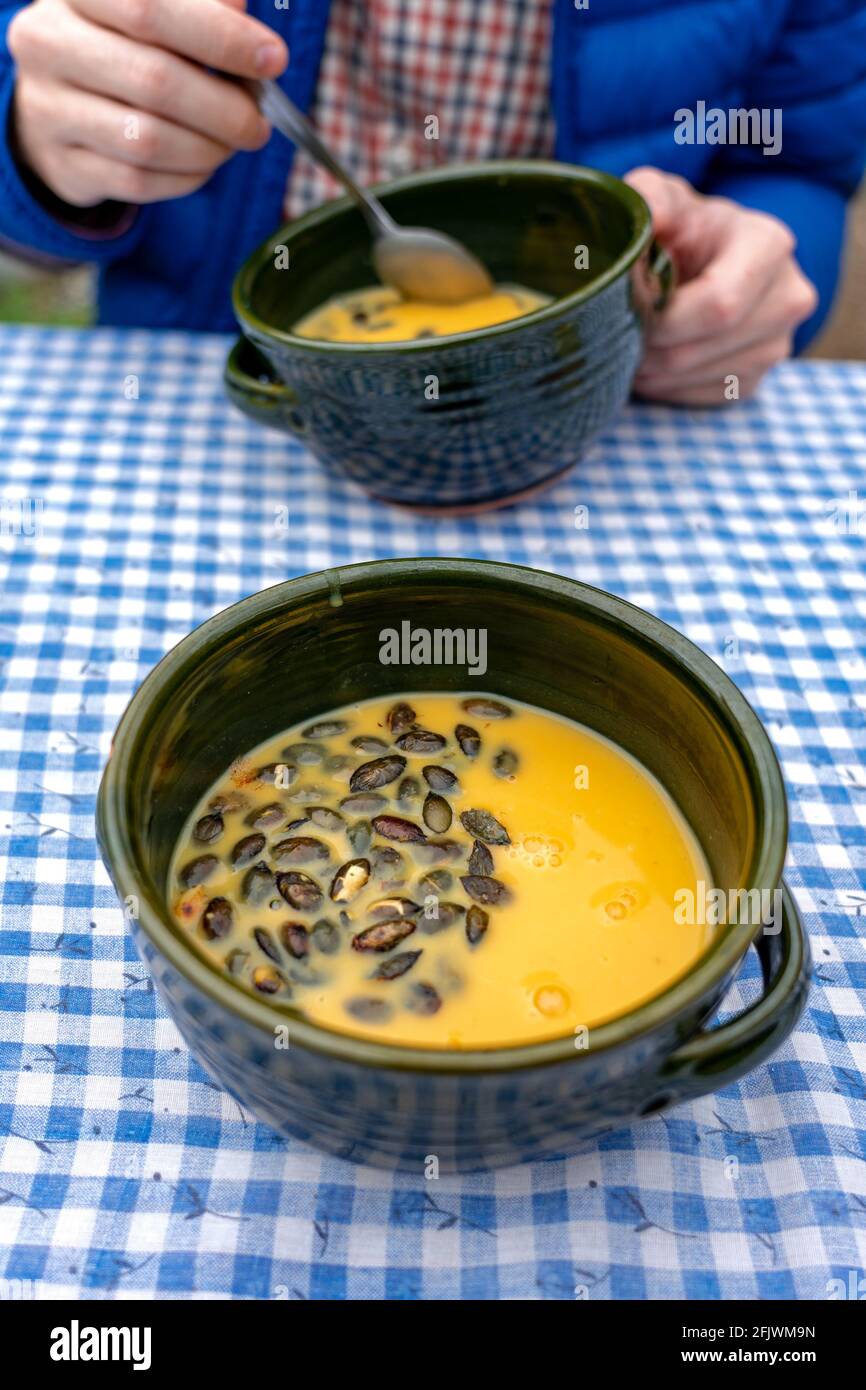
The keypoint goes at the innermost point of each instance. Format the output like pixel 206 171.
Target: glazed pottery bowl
pixel 473 419
pixel 294 651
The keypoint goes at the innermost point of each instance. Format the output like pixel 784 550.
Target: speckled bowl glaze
pixel 553 643
pixel 474 419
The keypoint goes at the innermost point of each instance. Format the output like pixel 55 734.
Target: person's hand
pixel 112 100
pixel 740 296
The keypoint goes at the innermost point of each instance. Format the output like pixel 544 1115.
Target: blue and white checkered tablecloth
pixel 136 503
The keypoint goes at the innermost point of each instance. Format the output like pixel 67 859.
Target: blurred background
pixel 28 295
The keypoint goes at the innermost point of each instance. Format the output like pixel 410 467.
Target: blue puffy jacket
pixel 621 69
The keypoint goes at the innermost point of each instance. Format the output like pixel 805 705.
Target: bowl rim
pixel 710 972
pixel 262 332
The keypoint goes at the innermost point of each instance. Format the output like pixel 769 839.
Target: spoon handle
pixel 282 113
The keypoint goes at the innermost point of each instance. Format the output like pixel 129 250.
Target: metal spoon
pixel 420 263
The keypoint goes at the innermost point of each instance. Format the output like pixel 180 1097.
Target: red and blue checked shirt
pixel 398 73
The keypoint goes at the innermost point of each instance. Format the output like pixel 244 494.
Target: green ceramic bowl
pixel 476 418
pixel 311 644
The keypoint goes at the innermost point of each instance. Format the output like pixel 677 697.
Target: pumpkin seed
pixel 338 765
pixel 217 919
pixel 445 916
pixel 477 922
pixel 387 865
pixel 397 965
pixel 480 860
pixel 396 828
pixel 326 938
pixel 505 764
pixel 482 707
pixel 368 743
pixel 207 829
pixel 377 773
pixel 400 717
pixel 300 892
pixel 437 881
pixel 368 1009
pixel 265 817
pixel 421 741
pixel 225 803
pixel 257 884
pixel 424 999
pixel 349 879
pixel 246 850
pixel 300 849
pixel 296 939
pixel 363 804
pixel 485 890
pixel 409 789
pixel 434 851
pixel 296 824
pixel 235 962
pixel 197 870
pixel 483 826
pixel 325 728
pixel 307 754
pixel 307 796
pixel 469 740
pixel 325 818
pixel 387 908
pixel 437 813
pixel 267 944
pixel 278 774
pixel 439 778
pixel 267 980
pixel 359 836
pixel 384 935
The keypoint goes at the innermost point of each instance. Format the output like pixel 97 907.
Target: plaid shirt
pixel 409 84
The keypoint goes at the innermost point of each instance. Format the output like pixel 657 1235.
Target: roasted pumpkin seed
pixel 424 999
pixel 359 836
pixel 485 890
pixel 301 849
pixel 217 919
pixel 349 879
pixel 436 882
pixel 295 938
pixel 482 707
pixel 226 803
pixel 339 766
pixel 434 851
pixel 388 865
pixel 505 764
pixel 326 938
pixel 409 789
pixel 368 1009
pixel 267 980
pixel 384 936
pixel 246 850
pixel 397 828
pixel 444 916
pixel 397 965
pixel 257 884
pixel 386 908
pixel 266 943
pixel 325 728
pixel 377 773
pixel 441 779
pixel 368 743
pixel 363 804
pixel 477 922
pixel 300 892
pixel 480 860
pixel 483 826
pixel 303 754
pixel 278 774
pixel 469 740
pixel 197 870
pixel 266 817
pixel 437 813
pixel 325 818
pixel 421 741
pixel 208 829
pixel 400 717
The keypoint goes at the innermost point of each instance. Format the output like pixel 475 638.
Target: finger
pixel 749 364
pixel 83 178
pixel 721 298
pixel 789 300
pixel 215 35
pixel 107 128
pixel 151 80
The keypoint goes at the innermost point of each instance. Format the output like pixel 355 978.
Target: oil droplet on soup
pixel 424 871
pixel 381 315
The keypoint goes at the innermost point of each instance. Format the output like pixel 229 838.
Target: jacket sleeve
pixel 27 227
pixel 816 77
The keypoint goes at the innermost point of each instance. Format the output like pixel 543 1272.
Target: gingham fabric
pixel 409 86
pixel 152 504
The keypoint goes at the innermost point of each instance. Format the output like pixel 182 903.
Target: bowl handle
pixel 255 388
pixel 715 1057
pixel 660 267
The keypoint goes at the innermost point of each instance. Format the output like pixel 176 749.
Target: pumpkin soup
pixel 450 871
pixel 381 315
